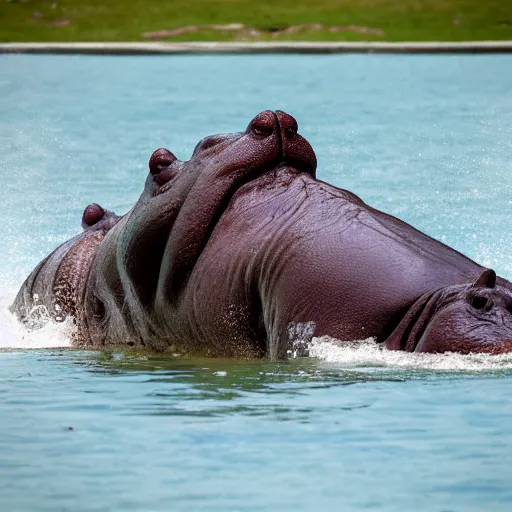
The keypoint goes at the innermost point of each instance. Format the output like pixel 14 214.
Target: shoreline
pixel 258 47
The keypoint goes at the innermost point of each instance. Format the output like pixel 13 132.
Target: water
pixel 426 138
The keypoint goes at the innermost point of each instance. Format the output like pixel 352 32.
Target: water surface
pixel 426 138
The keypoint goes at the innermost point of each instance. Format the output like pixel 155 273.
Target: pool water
pixel 425 138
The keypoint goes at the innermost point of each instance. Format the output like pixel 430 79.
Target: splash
pixel 49 334
pixel 367 353
pixel 356 354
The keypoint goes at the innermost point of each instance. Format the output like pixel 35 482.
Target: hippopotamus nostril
pixel 287 123
pixel 263 124
pixel 160 159
pixel 93 213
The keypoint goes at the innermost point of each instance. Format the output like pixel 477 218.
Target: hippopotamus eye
pixel 479 302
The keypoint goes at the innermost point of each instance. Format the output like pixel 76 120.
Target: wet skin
pixel 242 252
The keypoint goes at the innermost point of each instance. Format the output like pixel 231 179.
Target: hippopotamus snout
pixel 282 130
pixel 295 150
pixel 270 139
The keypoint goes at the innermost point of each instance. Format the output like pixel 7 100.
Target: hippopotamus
pixel 242 252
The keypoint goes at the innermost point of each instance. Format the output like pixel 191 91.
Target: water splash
pixel 367 353
pixel 356 354
pixel 50 334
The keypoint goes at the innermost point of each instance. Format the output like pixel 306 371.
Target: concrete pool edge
pixel 262 47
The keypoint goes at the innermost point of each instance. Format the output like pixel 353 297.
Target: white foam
pixel 367 353
pixel 14 335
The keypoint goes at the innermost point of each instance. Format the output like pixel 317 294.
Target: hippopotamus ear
pixel 487 279
pixel 92 215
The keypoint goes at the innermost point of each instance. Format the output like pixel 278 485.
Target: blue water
pixel 426 138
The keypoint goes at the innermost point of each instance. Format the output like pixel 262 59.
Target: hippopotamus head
pixel 471 318
pixel 220 165
pixel 162 237
pixel 271 138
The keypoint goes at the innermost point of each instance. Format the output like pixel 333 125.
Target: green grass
pixel 126 20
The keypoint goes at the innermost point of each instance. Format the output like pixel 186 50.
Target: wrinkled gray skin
pixel 242 252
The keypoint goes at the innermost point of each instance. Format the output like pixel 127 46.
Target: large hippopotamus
pixel 241 252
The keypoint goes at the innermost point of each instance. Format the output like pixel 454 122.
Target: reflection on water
pixel 178 386
pixel 146 432
pixel 212 387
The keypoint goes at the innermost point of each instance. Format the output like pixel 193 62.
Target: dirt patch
pixel 244 32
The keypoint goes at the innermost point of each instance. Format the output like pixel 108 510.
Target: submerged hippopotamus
pixel 242 252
